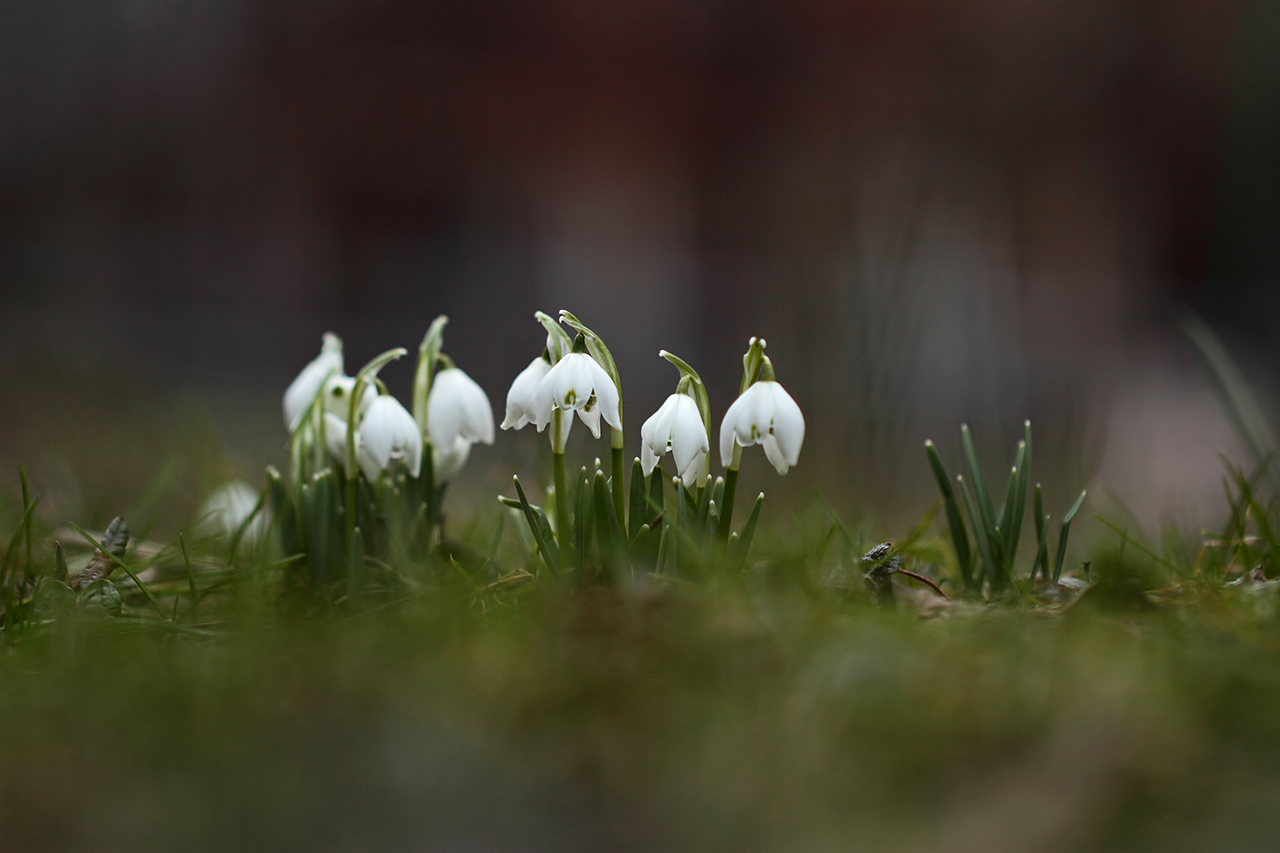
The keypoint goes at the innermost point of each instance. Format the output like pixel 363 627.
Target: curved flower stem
pixel 562 493
pixel 730 487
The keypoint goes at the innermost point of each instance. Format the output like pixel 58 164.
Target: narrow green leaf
pixel 638 513
pixel 608 534
pixel 981 497
pixel 583 519
pixel 979 535
pixel 742 545
pixel 955 524
pixel 542 536
pixel 1024 482
pixel 1042 538
pixel 1062 536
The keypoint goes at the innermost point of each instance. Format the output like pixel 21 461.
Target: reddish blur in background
pixel 934 212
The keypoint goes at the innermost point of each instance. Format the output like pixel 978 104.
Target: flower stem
pixel 562 493
pixel 618 486
pixel 730 487
pixel 562 502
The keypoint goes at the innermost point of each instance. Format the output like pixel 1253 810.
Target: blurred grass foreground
pixel 267 681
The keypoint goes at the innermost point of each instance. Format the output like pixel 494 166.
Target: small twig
pixel 924 580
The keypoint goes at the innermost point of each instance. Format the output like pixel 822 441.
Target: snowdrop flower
pixel 335 437
pixel 676 426
pixel 230 506
pixel 306 386
pixel 577 382
pixel 766 415
pixel 387 433
pixel 337 396
pixel 458 416
pixel 522 398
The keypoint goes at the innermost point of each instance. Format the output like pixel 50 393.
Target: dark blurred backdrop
pixel 934 211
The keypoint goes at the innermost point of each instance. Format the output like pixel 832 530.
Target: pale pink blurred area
pixel 936 213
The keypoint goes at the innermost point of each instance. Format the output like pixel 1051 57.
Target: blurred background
pixel 935 213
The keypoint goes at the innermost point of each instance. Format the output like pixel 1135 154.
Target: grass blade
pixel 955 524
pixel 1062 536
pixel 542 537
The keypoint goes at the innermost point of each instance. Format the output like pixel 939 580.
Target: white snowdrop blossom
pixel 337 396
pixel 335 437
pixel 447 461
pixel 765 414
pixel 304 388
pixel 577 382
pixel 458 416
pixel 229 506
pixel 676 426
pixel 522 405
pixel 386 433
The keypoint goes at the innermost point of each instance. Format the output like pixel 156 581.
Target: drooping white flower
pixel 676 426
pixel 458 416
pixel 304 388
pixel 387 432
pixel 337 396
pixel 577 383
pixel 521 399
pixel 766 415
pixel 229 506
pixel 335 437
pixel 448 460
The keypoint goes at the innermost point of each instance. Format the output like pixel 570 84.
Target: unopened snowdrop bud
pixel 458 415
pixel 388 433
pixel 522 399
pixel 230 505
pixel 306 386
pixel 676 426
pixel 765 414
pixel 577 383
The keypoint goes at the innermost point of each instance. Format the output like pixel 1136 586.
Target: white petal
pixel 521 405
pixel 335 438
pixel 369 466
pixel 689 475
pixel 544 399
pixel 729 428
pixel 228 508
pixel 570 381
pixel 304 388
pixel 566 424
pixel 389 432
pixel 688 436
pixel 445 464
pixel 774 453
pixel 648 459
pixel 458 408
pixel 606 394
pixel 756 413
pixel 591 419
pixel 788 424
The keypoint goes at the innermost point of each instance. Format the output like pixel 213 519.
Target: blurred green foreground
pixel 758 715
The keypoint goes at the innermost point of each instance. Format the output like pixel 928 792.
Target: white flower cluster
pixel 458 415
pixel 563 380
